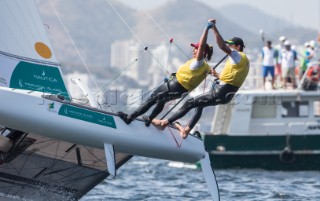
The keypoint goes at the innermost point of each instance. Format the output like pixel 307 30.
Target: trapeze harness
pixel 186 79
pixel 233 75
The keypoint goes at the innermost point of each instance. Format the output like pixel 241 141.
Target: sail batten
pixel 27 59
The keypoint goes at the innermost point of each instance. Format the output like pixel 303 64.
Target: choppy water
pixel 151 179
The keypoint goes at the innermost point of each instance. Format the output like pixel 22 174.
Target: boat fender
pixel 287 155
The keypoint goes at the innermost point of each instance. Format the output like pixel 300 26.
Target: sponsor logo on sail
pixel 43 77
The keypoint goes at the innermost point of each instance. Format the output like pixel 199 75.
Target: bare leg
pixel 187 130
pixel 161 124
pixel 294 85
pixel 184 132
pixel 284 81
pixel 164 123
pixel 272 82
pixel 181 129
pixel 156 122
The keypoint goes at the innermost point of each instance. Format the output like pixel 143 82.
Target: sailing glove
pixel 210 25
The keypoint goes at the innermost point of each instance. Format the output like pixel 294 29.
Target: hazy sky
pixel 300 12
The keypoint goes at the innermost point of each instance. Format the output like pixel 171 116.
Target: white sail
pixel 28 37
pixel 26 56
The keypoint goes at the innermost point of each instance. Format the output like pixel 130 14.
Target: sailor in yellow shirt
pixel 232 76
pixel 188 77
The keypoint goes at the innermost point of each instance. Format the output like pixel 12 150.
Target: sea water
pixel 152 179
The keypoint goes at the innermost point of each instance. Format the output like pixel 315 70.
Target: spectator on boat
pixel 188 77
pixel 313 52
pixel 278 49
pixel 311 82
pixel 268 62
pixel 304 60
pixel 282 39
pixel 232 77
pixel 308 55
pixel 288 59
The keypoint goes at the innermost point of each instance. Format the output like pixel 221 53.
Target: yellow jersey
pixel 191 78
pixel 234 73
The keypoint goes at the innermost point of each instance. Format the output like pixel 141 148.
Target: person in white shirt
pixel 278 49
pixel 313 53
pixel 268 62
pixel 288 58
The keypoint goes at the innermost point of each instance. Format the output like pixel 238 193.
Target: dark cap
pixel 236 41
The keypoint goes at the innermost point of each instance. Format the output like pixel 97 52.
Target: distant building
pixel 149 69
pixel 129 54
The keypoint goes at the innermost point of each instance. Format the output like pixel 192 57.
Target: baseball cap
pixel 287 43
pixel 282 38
pixel 306 44
pixel 196 45
pixel 236 41
pixel 312 43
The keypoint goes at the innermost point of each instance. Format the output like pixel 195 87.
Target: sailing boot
pixel 147 120
pixel 125 117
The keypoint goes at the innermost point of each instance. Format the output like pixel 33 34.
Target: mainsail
pixel 26 56
pixel 38 167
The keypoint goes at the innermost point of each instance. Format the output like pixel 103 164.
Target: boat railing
pixel 285 128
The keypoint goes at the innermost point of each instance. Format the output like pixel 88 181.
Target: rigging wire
pixel 140 97
pixel 125 22
pixel 73 43
pixel 133 32
pixel 141 43
pixel 163 31
pixel 107 86
pixel 175 139
pixel 171 41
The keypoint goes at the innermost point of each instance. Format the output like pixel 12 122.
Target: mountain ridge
pixel 184 20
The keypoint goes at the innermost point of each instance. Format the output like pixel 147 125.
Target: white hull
pixel 30 112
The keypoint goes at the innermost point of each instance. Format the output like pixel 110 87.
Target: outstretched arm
pixel 220 41
pixel 203 42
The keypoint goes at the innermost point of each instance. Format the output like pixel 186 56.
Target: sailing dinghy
pixel 57 148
